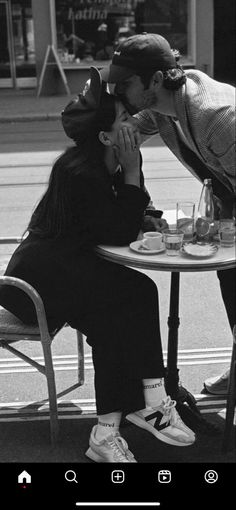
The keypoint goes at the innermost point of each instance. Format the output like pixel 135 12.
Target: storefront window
pixel 88 31
pixel 23 37
pixel 17 52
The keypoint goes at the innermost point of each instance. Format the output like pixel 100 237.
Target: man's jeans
pixel 228 290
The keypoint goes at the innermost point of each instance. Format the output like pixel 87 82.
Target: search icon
pixel 70 476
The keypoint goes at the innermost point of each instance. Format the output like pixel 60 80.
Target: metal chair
pixel 231 399
pixel 13 330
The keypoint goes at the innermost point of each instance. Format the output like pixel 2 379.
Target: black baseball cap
pixel 80 113
pixel 138 53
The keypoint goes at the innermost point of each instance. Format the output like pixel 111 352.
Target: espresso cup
pixel 152 240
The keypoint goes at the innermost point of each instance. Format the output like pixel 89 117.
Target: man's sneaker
pixel 217 385
pixel 111 449
pixel 164 423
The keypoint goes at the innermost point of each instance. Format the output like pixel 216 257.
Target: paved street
pixel 27 152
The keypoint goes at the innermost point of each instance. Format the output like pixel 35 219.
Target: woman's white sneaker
pixel 113 448
pixel 164 423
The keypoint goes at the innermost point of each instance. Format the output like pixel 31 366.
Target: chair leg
pixel 52 394
pixel 231 399
pixel 80 345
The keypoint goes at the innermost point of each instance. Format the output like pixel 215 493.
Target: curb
pixel 29 117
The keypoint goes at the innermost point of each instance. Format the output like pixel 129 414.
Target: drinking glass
pixel 173 240
pixel 185 219
pixel 227 232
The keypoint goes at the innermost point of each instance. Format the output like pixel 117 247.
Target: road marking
pixel 83 408
pixel 70 362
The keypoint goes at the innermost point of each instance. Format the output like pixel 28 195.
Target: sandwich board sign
pixel 51 69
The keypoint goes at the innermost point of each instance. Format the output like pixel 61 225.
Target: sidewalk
pixel 28 441
pixel 24 105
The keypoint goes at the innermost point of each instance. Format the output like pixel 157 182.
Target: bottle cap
pixel 207 181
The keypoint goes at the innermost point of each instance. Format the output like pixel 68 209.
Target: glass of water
pixel 227 232
pixel 185 212
pixel 173 240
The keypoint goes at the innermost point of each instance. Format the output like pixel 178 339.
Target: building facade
pixel 86 32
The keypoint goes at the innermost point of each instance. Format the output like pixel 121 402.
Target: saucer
pixel 199 251
pixel 137 247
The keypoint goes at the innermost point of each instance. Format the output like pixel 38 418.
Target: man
pixel 194 115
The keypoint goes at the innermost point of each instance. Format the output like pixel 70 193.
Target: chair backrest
pixel 11 240
pixel 34 296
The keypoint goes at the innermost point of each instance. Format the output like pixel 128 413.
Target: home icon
pixel 24 477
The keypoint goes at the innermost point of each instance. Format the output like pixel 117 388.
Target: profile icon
pixel 211 476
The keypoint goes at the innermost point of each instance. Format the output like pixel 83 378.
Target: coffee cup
pixel 152 240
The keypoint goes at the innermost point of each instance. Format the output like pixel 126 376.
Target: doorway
pixel 17 51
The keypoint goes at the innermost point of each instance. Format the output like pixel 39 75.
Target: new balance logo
pixel 158 420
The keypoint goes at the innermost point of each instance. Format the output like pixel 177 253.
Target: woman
pixel 90 200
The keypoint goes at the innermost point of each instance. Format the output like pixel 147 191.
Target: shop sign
pixel 97 9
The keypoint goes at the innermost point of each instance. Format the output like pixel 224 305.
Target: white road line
pixel 69 362
pixel 82 408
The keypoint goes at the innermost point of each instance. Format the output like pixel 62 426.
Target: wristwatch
pixel 154 213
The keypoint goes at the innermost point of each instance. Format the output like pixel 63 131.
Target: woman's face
pixel 123 119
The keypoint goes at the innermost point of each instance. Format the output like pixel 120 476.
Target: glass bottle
pixel 205 214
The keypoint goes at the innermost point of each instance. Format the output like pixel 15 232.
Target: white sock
pixel 108 424
pixel 154 392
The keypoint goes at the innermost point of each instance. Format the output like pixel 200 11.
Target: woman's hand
pixel 127 150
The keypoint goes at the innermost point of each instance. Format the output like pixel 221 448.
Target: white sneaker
pixel 217 385
pixel 113 448
pixel 164 423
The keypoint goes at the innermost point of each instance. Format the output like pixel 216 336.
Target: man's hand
pixel 151 224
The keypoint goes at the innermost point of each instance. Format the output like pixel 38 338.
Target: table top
pixel 224 258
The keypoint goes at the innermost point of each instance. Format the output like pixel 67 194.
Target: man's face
pixel 133 94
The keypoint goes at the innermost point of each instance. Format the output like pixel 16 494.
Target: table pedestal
pixel 186 403
pixel 223 259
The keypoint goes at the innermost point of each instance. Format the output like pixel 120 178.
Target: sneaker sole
pixel 94 456
pixel 222 393
pixel 97 458
pixel 139 422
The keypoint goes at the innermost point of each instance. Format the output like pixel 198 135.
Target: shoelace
pixel 170 411
pixel 120 447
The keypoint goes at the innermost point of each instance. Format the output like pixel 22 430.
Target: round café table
pixel 224 258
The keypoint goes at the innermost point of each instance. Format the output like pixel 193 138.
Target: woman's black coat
pixel 66 270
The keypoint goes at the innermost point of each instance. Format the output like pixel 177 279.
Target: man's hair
pixel 174 78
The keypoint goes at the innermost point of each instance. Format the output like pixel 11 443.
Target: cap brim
pixel 116 74
pixel 93 94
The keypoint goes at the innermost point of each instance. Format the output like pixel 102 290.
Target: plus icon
pixel 118 476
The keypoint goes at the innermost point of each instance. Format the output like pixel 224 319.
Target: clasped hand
pixel 127 149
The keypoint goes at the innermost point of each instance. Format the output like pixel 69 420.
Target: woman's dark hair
pixel 173 78
pixel 53 215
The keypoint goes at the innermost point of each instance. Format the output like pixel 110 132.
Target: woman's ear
pixel 103 137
